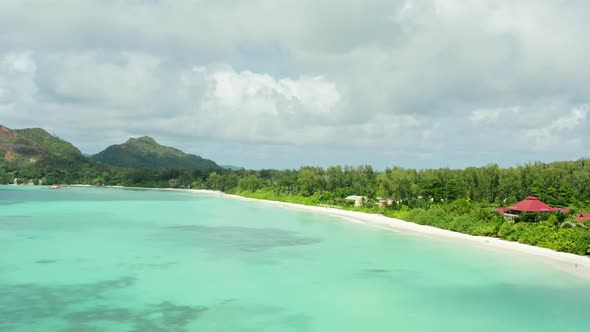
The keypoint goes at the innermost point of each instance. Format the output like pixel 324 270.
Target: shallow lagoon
pixel 86 259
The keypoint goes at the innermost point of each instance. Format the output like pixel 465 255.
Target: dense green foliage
pixel 36 154
pixel 457 200
pixel 34 145
pixel 45 143
pixel 485 222
pixel 559 184
pixel 146 153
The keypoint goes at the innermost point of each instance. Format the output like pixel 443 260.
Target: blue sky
pixel 280 84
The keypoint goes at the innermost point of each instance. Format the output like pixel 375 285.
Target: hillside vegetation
pixel 146 153
pixel 35 146
pixel 34 154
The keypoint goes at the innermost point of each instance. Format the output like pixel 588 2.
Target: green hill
pixel 146 153
pixel 33 154
pixel 36 147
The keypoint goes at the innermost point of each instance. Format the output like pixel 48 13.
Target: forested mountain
pixel 36 147
pixel 33 153
pixel 145 153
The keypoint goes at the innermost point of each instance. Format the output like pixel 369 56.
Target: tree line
pixel 461 200
pixel 561 184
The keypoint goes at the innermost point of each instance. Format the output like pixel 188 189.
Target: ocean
pixel 99 259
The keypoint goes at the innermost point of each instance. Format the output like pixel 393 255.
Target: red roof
pixel 583 217
pixel 532 204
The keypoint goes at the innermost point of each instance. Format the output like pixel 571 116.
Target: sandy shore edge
pixel 576 265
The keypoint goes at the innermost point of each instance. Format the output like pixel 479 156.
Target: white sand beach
pixel 570 263
pixel 573 264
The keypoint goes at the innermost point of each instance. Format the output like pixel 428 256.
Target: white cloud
pixel 257 107
pixel 433 76
pixel 576 117
pixel 17 73
pixel 19 62
pixel 252 93
pixel 492 115
pixel 559 133
pixel 127 79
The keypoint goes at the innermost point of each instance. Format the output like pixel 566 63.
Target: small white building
pixel 358 200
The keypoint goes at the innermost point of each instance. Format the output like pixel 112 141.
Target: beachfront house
pixel 583 217
pixel 529 204
pixel 358 200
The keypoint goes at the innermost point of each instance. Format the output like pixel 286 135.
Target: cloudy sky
pixel 285 83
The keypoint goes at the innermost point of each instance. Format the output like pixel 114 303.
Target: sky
pixel 281 84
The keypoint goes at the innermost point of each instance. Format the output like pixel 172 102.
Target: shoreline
pixel 575 265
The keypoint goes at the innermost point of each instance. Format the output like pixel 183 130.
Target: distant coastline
pixel 570 263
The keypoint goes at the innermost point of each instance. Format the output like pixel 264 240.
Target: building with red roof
pixel 529 204
pixel 583 217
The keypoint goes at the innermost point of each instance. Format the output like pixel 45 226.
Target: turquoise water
pixel 85 259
